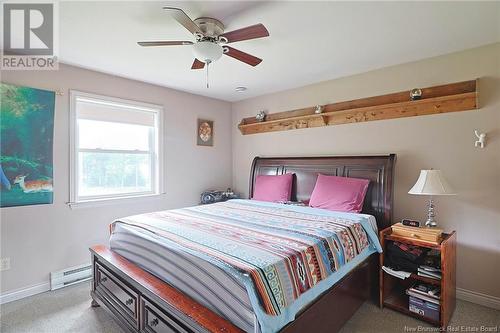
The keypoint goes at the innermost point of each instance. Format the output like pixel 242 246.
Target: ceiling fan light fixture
pixel 207 51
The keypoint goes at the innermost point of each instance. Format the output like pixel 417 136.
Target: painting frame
pixel 205 132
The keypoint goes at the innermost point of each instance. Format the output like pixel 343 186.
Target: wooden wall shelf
pixel 461 96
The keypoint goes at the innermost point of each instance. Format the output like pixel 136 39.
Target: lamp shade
pixel 431 182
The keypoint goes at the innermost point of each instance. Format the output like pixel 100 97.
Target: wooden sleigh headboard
pixel 378 169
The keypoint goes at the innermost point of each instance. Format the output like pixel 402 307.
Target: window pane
pixel 106 135
pixel 113 173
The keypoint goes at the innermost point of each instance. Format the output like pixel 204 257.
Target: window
pixel 115 148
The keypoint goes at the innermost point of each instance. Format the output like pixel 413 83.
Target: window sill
pixel 114 201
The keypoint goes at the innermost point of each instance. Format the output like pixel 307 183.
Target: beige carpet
pixel 68 310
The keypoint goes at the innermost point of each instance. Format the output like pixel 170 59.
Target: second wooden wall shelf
pixel 452 97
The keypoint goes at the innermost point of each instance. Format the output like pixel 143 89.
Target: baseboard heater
pixel 70 276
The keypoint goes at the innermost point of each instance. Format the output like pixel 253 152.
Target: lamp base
pixel 431 222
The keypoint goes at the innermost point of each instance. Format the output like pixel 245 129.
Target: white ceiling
pixel 309 41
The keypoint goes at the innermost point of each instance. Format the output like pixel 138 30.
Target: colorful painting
pixel 26 133
pixel 205 133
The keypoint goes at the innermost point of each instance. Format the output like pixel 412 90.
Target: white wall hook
pixel 481 139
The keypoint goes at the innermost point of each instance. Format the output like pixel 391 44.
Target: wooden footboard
pixel 140 302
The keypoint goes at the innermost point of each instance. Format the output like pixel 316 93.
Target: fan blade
pixel 197 64
pixel 165 43
pixel 251 32
pixel 242 56
pixel 180 16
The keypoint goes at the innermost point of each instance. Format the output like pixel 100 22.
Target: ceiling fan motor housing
pixel 210 26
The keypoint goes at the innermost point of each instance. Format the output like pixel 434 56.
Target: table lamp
pixel 431 182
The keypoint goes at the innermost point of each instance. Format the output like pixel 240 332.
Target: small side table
pixel 393 290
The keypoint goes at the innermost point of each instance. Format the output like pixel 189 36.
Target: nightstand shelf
pixel 398 301
pixel 393 290
pixel 415 277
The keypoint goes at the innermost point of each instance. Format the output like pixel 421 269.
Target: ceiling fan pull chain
pixel 208 64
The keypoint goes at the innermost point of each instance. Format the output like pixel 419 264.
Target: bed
pixel 203 294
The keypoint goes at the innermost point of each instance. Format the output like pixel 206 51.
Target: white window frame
pixel 156 152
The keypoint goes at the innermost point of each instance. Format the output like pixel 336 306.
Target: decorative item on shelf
pixel 431 182
pixel 205 134
pixel 261 116
pixel 415 94
pixel 209 197
pixel 318 109
pixel 481 139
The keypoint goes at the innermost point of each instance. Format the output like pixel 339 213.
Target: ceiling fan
pixel 211 40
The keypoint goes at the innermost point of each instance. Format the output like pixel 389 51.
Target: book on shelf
pixel 430 269
pixel 425 288
pixel 425 292
pixel 423 297
pixel 429 274
pixel 434 293
pixel 399 274
pixel 423 308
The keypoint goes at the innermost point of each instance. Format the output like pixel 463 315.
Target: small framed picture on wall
pixel 205 133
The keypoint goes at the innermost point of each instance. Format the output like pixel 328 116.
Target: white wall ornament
pixel 261 116
pixel 481 139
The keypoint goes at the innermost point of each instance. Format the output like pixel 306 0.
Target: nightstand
pixel 393 289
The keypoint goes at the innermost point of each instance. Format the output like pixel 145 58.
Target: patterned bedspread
pixel 281 252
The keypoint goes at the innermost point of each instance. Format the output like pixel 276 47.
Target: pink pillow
pixel 340 194
pixel 273 188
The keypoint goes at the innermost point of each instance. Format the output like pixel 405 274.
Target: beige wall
pixel 443 142
pixel 41 239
